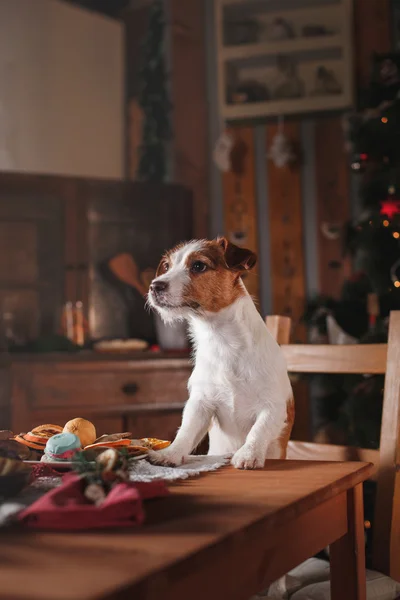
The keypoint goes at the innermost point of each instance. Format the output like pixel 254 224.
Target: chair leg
pixel 347 555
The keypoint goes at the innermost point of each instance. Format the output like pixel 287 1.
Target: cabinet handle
pixel 130 389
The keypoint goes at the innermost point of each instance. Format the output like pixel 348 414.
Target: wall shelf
pixel 254 74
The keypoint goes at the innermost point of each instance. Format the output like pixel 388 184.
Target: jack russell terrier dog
pixel 239 390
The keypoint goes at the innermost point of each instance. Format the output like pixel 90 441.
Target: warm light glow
pixel 391 190
pixel 396 235
pixel 386 223
pixel 384 119
pixel 397 284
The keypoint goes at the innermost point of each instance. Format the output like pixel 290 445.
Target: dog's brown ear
pixel 236 258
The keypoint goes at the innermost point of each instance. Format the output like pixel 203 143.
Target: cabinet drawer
pixel 80 389
pixel 55 392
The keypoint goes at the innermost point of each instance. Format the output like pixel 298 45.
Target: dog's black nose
pixel 159 286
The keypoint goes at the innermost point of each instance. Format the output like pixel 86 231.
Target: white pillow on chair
pixel 310 581
pixel 310 571
pixel 379 587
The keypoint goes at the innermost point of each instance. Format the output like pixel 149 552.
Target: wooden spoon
pixel 124 267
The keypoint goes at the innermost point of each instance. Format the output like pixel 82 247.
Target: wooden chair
pixel 371 359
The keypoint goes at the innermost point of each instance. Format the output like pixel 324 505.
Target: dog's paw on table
pixel 167 457
pixel 246 458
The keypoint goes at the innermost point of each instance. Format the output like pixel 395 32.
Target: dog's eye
pixel 198 267
pixel 165 267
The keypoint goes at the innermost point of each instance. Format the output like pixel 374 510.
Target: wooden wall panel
pixel 189 99
pixel 287 258
pixel 333 203
pixel 372 19
pixel 286 234
pixel 239 198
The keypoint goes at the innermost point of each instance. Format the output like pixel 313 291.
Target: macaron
pixel 61 447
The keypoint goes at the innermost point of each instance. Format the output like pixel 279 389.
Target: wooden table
pixel 225 535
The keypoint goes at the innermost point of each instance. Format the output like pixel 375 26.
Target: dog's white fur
pixel 239 389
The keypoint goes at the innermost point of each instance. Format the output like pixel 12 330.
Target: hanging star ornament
pixel 390 208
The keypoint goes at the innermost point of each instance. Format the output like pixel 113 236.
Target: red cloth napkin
pixel 65 507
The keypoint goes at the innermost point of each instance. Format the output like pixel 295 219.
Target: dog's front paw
pixel 168 457
pixel 247 458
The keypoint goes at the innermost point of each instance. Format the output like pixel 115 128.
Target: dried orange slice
pixel 155 444
pixel 37 439
pixel 115 444
pixel 20 438
pixel 47 430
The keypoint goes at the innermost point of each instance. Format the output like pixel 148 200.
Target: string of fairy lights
pixel 389 213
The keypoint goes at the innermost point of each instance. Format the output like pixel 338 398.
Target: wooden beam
pixel 189 99
pixel 239 199
pixel 333 204
pixel 286 235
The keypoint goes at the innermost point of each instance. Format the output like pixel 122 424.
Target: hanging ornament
pixel 390 207
pixel 331 231
pixel 222 151
pixel 389 72
pixel 359 161
pixel 395 273
pixel 281 151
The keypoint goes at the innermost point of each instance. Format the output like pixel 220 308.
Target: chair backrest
pixel 365 359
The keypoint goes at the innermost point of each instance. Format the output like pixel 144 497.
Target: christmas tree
pixel 353 405
pixel 154 99
pixel 348 409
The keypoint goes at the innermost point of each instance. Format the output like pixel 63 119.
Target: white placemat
pixel 145 471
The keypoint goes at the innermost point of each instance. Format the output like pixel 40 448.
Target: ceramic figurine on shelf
pixel 279 30
pixel 287 83
pixel 326 83
pixel 241 32
pixel 249 91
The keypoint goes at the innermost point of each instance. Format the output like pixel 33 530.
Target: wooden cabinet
pixel 56 234
pixel 56 389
